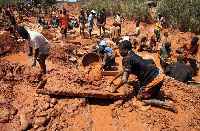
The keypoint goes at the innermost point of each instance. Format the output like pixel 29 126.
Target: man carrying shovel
pixel 39 43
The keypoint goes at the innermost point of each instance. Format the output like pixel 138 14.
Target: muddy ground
pixel 23 109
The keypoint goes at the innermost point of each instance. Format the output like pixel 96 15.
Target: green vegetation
pixel 181 14
pixel 137 10
pixel 111 6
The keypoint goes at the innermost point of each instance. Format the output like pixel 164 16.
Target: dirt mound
pixel 8 45
pixel 22 107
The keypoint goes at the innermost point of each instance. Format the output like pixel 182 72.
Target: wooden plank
pixel 94 94
pixel 109 73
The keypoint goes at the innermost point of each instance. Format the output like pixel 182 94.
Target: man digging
pixel 148 75
pixel 39 43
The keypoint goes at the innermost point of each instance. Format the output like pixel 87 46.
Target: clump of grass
pixel 181 14
pixel 111 6
pixel 137 10
pixel 134 9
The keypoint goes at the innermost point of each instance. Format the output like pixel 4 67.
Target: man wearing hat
pixel 39 43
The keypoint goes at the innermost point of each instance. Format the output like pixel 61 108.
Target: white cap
pixel 126 38
pixel 92 11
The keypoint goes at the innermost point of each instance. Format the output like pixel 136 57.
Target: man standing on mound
pixel 39 43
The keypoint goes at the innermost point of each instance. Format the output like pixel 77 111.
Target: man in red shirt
pixel 63 23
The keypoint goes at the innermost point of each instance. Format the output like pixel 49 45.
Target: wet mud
pixel 23 109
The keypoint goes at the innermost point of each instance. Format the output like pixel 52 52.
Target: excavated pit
pixel 23 109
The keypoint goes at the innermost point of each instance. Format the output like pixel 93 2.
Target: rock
pixel 145 108
pixel 118 103
pixel 73 59
pixel 41 121
pixel 4 116
pixel 13 111
pixel 51 105
pixel 53 101
pixel 35 126
pixel 46 106
pixel 39 113
pixel 24 123
pixel 42 129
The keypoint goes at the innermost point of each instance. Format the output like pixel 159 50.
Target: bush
pixel 137 10
pixel 181 14
pixel 111 6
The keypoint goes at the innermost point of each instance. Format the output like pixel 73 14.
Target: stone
pixel 73 59
pixel 118 103
pixel 53 101
pixel 24 123
pixel 41 121
pixel 46 106
pixel 4 116
pixel 41 129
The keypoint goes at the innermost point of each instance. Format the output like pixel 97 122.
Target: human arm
pixel 123 80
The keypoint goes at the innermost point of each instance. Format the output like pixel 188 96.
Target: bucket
pixel 90 58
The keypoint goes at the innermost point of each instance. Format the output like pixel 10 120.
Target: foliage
pixel 111 6
pixel 137 10
pixel 181 14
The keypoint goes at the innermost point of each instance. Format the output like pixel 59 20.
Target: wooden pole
pixel 93 94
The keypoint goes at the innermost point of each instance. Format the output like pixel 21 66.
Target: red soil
pixel 22 108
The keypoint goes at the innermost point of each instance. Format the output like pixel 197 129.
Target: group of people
pixel 149 76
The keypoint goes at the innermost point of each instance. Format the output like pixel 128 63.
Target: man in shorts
pixel 63 23
pixel 148 75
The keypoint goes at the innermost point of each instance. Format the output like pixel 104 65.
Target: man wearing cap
pixel 91 22
pixel 63 23
pixel 148 75
pixel 39 43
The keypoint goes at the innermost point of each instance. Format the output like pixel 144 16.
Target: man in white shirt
pixel 39 43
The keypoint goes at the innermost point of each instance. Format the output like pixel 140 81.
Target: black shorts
pixel 63 31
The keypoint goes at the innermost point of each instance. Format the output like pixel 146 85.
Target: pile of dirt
pixel 21 108
pixel 9 46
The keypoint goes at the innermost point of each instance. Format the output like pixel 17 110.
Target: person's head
pixel 137 24
pixel 64 11
pixel 115 24
pixel 167 44
pixel 82 12
pixel 93 12
pixel 181 59
pixel 22 32
pixel 118 13
pixel 7 13
pixel 124 47
pixel 194 40
pixel 60 11
pixel 166 34
pixel 103 10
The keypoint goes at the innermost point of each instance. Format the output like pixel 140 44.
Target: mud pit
pixel 23 109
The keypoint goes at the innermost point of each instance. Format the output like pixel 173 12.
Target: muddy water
pixel 20 58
